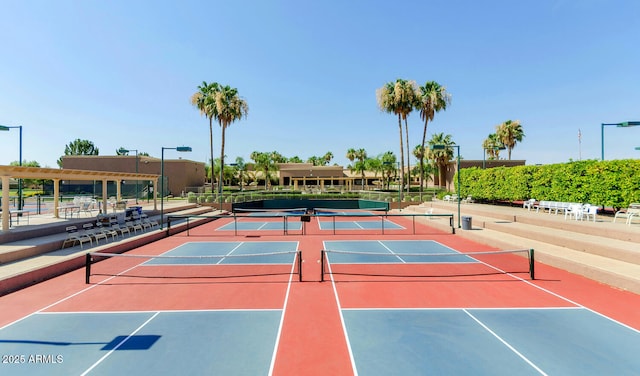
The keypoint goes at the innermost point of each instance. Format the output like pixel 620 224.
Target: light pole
pixel 625 124
pixel 442 147
pixel 180 149
pixel 123 150
pixel 6 128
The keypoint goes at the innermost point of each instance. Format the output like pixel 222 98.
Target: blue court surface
pixel 552 341
pixel 227 342
pixel 280 225
pixel 392 251
pixel 209 253
pixel 357 223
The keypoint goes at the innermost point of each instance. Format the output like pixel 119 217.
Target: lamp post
pixel 625 124
pixel 123 150
pixel 442 147
pixel 180 149
pixel 7 128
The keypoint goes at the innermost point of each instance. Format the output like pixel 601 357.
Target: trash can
pixel 466 223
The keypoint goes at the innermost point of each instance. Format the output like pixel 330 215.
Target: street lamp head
pixel 3 128
pixel 123 150
pixel 629 124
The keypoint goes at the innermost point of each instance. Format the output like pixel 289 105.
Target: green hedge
pixel 605 183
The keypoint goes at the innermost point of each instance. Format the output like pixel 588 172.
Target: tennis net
pixel 351 212
pixel 260 212
pixel 195 267
pixel 335 263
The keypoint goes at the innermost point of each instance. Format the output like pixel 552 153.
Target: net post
pixel 334 223
pixel 284 225
pixel 299 266
pixel 413 223
pixel 532 268
pixel 453 229
pixel 87 272
pixel 235 224
pixel 322 256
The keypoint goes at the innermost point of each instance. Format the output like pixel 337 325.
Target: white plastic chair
pixel 590 212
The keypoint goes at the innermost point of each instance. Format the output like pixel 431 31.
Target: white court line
pixel 94 365
pixel 504 342
pixel 342 323
pixel 284 310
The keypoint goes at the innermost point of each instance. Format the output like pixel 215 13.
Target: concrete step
pixel 600 251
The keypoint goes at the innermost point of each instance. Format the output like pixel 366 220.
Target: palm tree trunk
pixel 424 140
pixel 211 147
pixel 401 159
pixel 406 127
pixel 224 127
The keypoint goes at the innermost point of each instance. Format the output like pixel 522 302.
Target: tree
pixel 360 166
pixel 398 98
pixel 441 157
pixel 510 133
pixel 30 182
pixel 492 145
pixel 421 154
pixel 204 100
pixel 316 161
pixel 389 162
pixel 241 167
pixel 265 162
pixel 326 159
pixel 227 107
pixel 79 147
pixel 432 98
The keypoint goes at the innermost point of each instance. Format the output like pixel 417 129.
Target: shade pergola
pixel 57 175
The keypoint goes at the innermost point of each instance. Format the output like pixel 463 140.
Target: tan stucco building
pixel 181 174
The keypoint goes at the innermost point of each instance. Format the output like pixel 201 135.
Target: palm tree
pixel 432 98
pixel 241 168
pixel 265 162
pixel 398 98
pixel 360 165
pixel 203 99
pixel 326 159
pixel 315 161
pixel 441 157
pixel 389 162
pixel 421 154
pixel 229 107
pixel 492 145
pixel 510 133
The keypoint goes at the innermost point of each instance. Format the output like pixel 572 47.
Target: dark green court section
pixel 312 204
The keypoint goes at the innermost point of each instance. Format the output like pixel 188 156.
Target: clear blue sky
pixel 120 74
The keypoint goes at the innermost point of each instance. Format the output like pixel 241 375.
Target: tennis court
pixel 396 303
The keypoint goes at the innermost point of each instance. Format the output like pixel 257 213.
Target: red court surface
pixel 312 337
